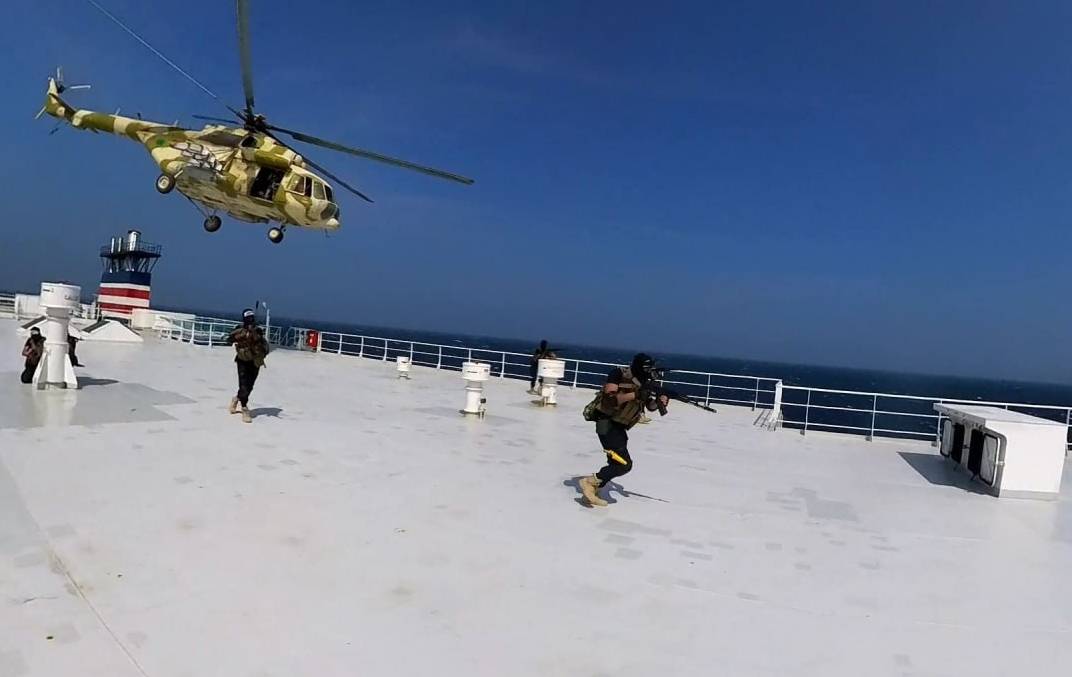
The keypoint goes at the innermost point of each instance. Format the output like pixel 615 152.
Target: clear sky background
pixel 872 184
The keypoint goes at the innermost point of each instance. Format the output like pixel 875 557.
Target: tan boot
pixel 246 416
pixel 234 405
pixel 590 490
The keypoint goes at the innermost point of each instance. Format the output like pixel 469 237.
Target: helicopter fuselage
pixel 230 169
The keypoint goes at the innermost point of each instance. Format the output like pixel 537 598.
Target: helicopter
pixel 244 170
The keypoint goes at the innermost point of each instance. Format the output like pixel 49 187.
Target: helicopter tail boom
pixel 79 118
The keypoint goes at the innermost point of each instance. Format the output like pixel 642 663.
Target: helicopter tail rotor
pixel 62 86
pixel 57 86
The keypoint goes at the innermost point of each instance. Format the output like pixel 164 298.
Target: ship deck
pixel 361 526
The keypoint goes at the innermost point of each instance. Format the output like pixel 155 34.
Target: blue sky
pixel 863 184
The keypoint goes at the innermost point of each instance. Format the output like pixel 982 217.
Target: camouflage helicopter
pixel 245 171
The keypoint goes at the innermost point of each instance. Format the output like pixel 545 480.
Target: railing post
pixel 470 354
pixel 937 426
pixel 576 372
pixel 210 327
pixel 411 352
pixel 338 349
pixel 502 369
pixel 385 350
pixel 755 398
pixel 439 360
pixel 1068 422
pixel 776 410
pixel 874 408
pixel 807 410
pixel 707 395
pixel 360 352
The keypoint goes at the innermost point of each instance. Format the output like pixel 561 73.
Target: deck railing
pixel 887 414
pixel 209 331
pixel 870 414
pixel 7 305
pixel 751 391
pixel 9 308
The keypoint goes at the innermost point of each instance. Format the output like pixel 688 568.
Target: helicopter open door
pixel 266 183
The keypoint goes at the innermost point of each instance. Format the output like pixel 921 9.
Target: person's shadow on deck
pixel 611 487
pixel 274 412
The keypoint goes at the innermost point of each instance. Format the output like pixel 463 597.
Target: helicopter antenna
pixel 158 53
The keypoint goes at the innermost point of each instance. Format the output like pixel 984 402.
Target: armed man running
pixel 617 408
pixel 250 350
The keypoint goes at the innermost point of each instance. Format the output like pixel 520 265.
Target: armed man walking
pixel 250 350
pixel 617 408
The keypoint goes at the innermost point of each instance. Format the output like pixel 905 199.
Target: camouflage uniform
pixel 250 350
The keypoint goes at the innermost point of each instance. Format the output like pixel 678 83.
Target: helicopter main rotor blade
pixel 323 170
pixel 213 119
pixel 336 179
pixel 242 10
pixel 158 53
pixel 370 155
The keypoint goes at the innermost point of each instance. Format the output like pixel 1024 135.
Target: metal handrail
pixel 7 305
pixel 712 387
pixel 886 420
pixel 515 365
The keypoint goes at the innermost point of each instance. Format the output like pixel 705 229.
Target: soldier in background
pixel 541 353
pixel 32 350
pixel 250 350
pixel 72 345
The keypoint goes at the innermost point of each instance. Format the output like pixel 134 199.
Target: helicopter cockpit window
pixel 318 190
pixel 327 189
pixel 297 184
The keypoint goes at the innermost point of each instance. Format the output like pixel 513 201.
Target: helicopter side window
pixel 327 190
pixel 318 190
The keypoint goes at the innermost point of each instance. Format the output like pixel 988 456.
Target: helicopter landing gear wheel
pixel 275 235
pixel 165 184
pixel 212 223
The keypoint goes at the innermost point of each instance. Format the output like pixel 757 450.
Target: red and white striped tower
pixel 126 280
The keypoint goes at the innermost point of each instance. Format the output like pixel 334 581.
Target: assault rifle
pixel 653 389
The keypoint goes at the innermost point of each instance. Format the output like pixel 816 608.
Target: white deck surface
pixel 360 526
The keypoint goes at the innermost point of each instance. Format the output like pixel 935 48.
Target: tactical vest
pixel 605 405
pixel 249 346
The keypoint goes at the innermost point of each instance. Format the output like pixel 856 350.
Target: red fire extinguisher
pixel 312 339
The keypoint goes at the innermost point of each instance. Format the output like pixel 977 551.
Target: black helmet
pixel 543 345
pixel 641 366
